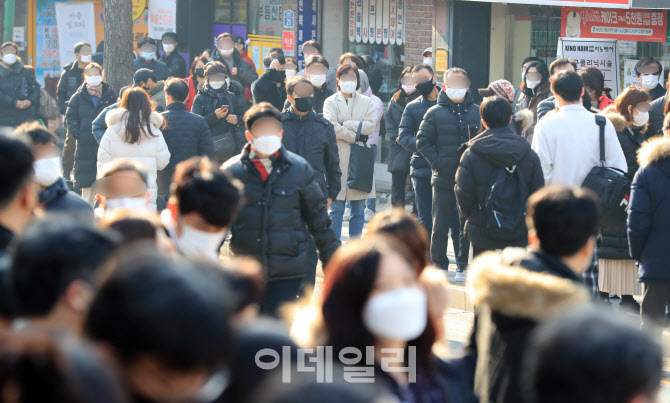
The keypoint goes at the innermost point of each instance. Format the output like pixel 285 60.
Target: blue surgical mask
pixel 148 55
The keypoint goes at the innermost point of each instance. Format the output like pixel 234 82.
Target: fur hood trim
pixel 654 150
pixel 619 121
pixel 117 115
pixel 517 292
pixel 525 116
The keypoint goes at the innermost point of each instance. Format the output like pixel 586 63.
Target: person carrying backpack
pixel 497 174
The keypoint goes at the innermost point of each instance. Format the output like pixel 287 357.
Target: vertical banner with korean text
pixel 600 53
pixel 162 17
pixel 308 15
pixel 76 23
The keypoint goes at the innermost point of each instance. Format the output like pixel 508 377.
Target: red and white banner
pixel 629 25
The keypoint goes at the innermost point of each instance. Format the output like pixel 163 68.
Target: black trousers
pixel 398 185
pixel 445 219
pixel 279 292
pixel 654 300
pixel 423 201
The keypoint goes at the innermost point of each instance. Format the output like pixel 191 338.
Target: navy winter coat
pixel 409 127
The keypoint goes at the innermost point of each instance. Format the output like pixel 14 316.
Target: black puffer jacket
pixel 493 149
pixel 176 65
pixel 656 116
pixel 409 127
pixel 245 73
pixel 71 79
pixel 205 105
pixel 398 160
pixel 266 90
pixel 613 241
pixel 279 215
pixel 10 83
pixel 159 68
pixel 58 199
pixel 313 138
pixel 81 149
pixel 186 135
pixel 445 128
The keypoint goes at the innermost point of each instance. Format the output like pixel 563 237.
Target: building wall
pixel 334 23
pixel 499 37
pixel 418 30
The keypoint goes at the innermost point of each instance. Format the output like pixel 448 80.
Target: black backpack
pixel 503 210
pixel 610 184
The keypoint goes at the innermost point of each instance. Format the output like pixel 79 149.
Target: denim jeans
pixel 371 204
pixel 356 221
pixel 423 196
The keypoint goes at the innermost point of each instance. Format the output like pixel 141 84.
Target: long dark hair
pixel 400 97
pixel 593 78
pixel 139 107
pixel 544 71
pixel 350 278
pixel 195 63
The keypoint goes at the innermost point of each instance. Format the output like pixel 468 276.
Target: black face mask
pixel 425 88
pixel 304 104
pixel 278 76
pixel 200 72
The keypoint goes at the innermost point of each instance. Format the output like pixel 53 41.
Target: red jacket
pixel 192 92
pixel 604 102
pixel 247 59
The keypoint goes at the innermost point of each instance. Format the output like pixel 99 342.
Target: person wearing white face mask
pixel 176 64
pixel 648 71
pixel 73 75
pixel 618 271
pixel 54 195
pixel 428 56
pixel 147 58
pixel 202 205
pixel 374 303
pixel 445 128
pixel 19 91
pixel 353 116
pixel 284 205
pixel 240 70
pixel 223 111
pixel 121 184
pixel 317 70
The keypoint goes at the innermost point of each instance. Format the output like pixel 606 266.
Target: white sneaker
pixel 367 215
pixel 347 214
pixel 460 276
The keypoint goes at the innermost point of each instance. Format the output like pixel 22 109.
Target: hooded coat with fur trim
pixel 513 291
pixel 649 212
pixel 613 241
pixel 151 150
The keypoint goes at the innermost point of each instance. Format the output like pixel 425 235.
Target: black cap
pixel 144 41
pixel 170 35
pixel 238 39
pixel 143 75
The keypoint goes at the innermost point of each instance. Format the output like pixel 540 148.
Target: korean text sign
pixel 629 25
pixel 162 17
pixel 76 23
pixel 600 53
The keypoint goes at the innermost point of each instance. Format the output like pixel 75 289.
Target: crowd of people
pixel 172 245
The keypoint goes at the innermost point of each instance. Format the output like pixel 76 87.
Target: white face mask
pixel 47 171
pixel 523 75
pixel 649 82
pixel 9 58
pixel 409 89
pixel 348 87
pixel 640 119
pixel 228 82
pixel 428 61
pixel 267 145
pixel 132 203
pixel 456 94
pixel 86 58
pixel 318 80
pixel 532 84
pixel 226 52
pixel 196 244
pixel 399 315
pixel 290 73
pixel 168 48
pixel 93 81
pixel 216 84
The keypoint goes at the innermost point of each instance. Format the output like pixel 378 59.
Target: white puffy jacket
pixel 151 151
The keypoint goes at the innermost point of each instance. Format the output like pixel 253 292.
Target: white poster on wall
pixel 379 22
pixel 162 17
pixel 392 24
pixel 600 53
pixel 359 19
pixel 400 21
pixel 76 23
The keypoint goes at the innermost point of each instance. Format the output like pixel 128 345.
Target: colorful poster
pixel 162 17
pixel 629 77
pixel 288 43
pixel 629 25
pixel 47 57
pixel 576 3
pixel 600 53
pixel 308 13
pixel 76 23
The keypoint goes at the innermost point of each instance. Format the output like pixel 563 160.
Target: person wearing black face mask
pixel 270 86
pixel 196 80
pixel 312 137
